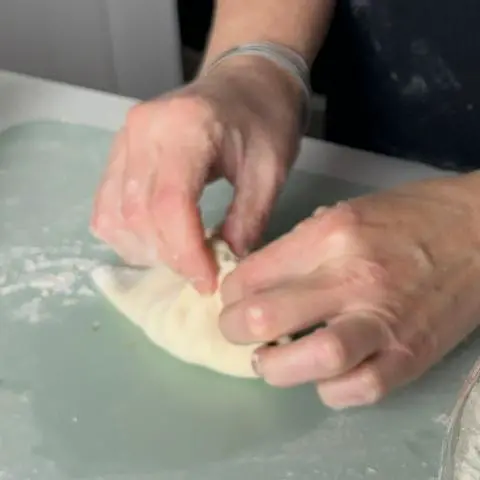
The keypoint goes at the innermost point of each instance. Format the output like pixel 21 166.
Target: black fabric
pixel 402 78
pixel 195 17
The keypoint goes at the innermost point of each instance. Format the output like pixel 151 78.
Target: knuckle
pixel 340 226
pixel 419 348
pixel 344 217
pixel 374 273
pixel 330 352
pixel 368 273
pixel 136 115
pixel 191 106
pixel 133 205
pixel 231 289
pixel 197 120
pixel 132 211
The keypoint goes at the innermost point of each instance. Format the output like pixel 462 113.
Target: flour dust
pixel 32 276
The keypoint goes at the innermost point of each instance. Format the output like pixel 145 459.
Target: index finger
pixel 289 257
pixel 181 172
pixel 180 231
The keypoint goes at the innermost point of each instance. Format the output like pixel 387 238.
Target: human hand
pixel 395 276
pixel 239 122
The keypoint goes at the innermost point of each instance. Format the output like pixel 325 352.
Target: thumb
pixel 256 190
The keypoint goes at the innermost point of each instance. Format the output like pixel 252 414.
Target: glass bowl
pixel 461 449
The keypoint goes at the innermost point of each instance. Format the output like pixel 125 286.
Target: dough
pixel 175 316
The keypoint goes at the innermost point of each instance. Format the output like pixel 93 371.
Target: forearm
pixel 298 24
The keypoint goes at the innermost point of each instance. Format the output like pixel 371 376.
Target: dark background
pixel 195 19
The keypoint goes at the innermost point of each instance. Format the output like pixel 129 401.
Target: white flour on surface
pixel 467 452
pixel 40 273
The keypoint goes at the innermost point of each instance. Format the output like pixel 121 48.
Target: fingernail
pixel 239 249
pixel 256 364
pixel 202 285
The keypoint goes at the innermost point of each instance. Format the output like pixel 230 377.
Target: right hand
pixel 240 122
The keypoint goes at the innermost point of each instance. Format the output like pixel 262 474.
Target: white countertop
pixel 77 403
pixel 24 98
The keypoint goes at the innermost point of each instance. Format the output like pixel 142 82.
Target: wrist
pixel 460 195
pixel 263 78
pixel 468 190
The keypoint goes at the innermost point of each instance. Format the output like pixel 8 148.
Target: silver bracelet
pixel 282 56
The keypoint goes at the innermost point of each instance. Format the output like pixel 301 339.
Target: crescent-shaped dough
pixel 175 316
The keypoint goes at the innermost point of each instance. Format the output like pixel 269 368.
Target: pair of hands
pixel 393 275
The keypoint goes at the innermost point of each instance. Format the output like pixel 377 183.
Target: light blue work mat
pixel 84 395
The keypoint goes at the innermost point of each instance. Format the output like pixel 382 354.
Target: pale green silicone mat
pixel 83 395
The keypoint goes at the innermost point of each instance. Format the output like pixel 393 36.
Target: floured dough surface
pixel 175 316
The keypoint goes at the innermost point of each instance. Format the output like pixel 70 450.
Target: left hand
pixel 395 276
